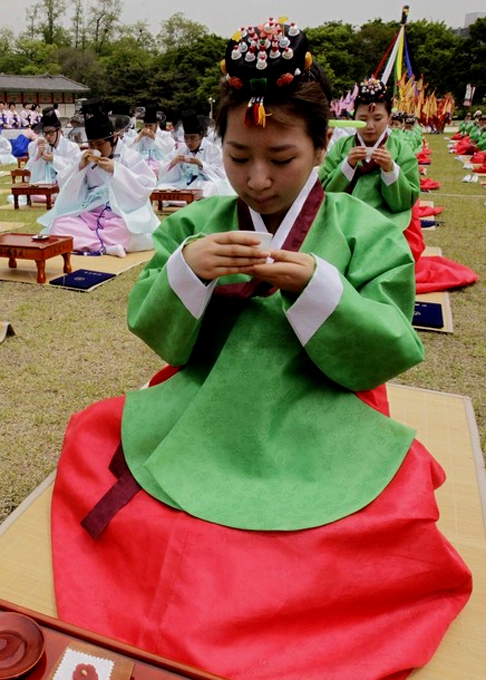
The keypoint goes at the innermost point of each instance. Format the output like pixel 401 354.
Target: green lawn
pixel 71 349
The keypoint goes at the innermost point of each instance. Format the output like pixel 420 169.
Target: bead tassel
pixel 255 112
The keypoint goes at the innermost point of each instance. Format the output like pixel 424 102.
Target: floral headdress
pixel 265 59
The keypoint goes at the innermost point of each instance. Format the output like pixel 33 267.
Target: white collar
pixel 288 221
pixel 370 149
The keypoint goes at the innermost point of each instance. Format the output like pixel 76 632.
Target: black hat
pixel 265 59
pixel 92 107
pixel 98 126
pixel 192 123
pixel 150 115
pixel 49 119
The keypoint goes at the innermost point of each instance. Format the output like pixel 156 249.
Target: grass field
pixel 71 349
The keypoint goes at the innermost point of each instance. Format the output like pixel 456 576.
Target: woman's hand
pixel 356 154
pixel 289 271
pixel 383 158
pixel 224 253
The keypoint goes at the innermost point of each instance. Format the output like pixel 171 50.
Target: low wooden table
pixel 24 189
pixel 59 635
pixel 22 160
pixel 23 173
pixel 24 247
pixel 187 195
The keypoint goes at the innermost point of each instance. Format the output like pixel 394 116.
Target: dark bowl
pixel 21 645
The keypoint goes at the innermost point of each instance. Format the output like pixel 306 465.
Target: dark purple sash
pixel 117 496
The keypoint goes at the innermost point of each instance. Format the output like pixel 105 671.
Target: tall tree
pixel 130 67
pixel 185 77
pixel 177 31
pixel 432 46
pixel 372 40
pixel 333 45
pixel 9 58
pixel 84 67
pixel 139 33
pixel 78 26
pixel 50 13
pixel 36 57
pixel 103 23
pixel 474 49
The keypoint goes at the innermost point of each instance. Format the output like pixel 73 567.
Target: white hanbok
pixel 101 209
pixel 13 119
pixel 156 151
pixel 6 156
pixel 25 117
pixel 211 177
pixel 66 153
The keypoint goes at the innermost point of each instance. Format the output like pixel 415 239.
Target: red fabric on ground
pixel 427 210
pixel 423 158
pixel 427 184
pixel 478 157
pixel 462 146
pixel 439 273
pixel 368 597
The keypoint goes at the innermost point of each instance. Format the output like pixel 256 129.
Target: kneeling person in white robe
pixel 50 153
pixel 154 148
pixel 197 164
pixel 104 201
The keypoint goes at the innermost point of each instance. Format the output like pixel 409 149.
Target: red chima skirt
pixel 367 597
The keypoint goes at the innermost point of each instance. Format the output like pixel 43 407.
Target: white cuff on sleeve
pixel 188 287
pixel 392 176
pixel 317 301
pixel 347 170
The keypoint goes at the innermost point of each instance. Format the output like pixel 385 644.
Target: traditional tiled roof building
pixel 43 90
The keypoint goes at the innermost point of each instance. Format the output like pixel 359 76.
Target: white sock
pixel 117 250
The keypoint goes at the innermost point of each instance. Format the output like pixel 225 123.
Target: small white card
pixel 72 658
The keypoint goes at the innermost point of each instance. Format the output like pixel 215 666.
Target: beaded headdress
pixel 265 59
pixel 371 92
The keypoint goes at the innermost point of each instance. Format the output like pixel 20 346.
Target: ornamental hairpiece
pixel 265 59
pixel 372 90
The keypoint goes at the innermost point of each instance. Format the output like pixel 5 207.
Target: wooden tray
pixel 130 662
